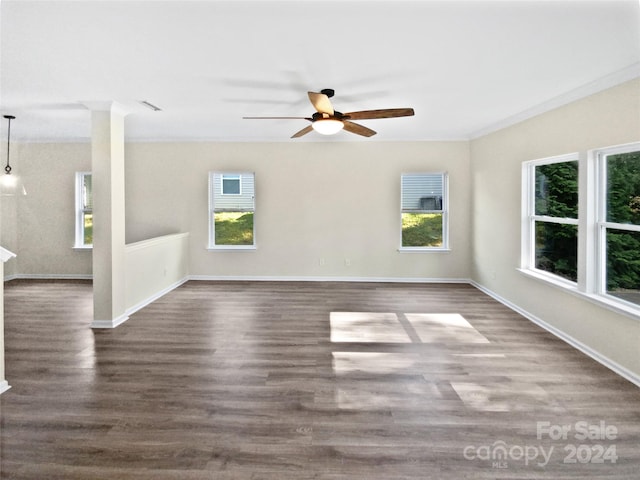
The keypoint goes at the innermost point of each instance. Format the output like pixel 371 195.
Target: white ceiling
pixel 466 67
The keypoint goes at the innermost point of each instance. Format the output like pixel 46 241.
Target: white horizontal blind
pixel 87 192
pixel 422 192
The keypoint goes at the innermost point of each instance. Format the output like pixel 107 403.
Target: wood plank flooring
pixel 328 381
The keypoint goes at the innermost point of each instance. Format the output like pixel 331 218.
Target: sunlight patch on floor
pixel 367 327
pixel 444 328
pixel 500 396
pixel 379 363
pixel 381 327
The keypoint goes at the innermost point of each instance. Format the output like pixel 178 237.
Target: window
pixel 424 211
pixel 84 210
pixel 231 210
pixel 231 184
pixel 551 230
pixel 618 223
pixel 596 253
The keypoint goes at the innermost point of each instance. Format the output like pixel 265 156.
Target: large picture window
pixel 596 253
pixel 231 210
pixel 84 210
pixel 424 211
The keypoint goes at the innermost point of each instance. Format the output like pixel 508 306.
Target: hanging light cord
pixel 7 169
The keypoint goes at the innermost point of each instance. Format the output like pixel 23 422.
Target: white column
pixel 107 169
pixel 4 256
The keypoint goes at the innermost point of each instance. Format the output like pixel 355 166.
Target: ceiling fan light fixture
pixel 327 126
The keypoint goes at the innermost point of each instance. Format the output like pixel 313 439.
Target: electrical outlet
pixel 347 262
pixel 322 262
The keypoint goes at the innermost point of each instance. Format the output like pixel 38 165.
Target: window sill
pixel 232 248
pixel 83 247
pixel 550 278
pixel 423 250
pixel 605 301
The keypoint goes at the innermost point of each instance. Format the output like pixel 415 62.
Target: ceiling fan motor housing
pixel 323 116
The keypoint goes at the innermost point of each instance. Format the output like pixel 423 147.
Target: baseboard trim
pixel 250 278
pixel 110 323
pixel 155 296
pixel 4 386
pixel 38 276
pixel 268 278
pixel 577 344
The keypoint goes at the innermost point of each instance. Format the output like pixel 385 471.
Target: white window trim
pixel 231 248
pixel 79 212
pixel 591 284
pixel 211 246
pixel 446 247
pixel 529 217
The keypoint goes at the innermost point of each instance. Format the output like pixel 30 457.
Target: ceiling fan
pixel 328 121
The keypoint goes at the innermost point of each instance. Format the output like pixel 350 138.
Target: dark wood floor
pixel 330 381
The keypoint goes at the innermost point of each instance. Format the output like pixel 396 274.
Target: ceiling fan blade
pixel 321 102
pixel 358 129
pixel 384 113
pixel 277 118
pixel 302 132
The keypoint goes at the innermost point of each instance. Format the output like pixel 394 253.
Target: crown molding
pixel 616 78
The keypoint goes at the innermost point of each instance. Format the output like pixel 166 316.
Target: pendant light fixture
pixel 10 182
pixel 7 169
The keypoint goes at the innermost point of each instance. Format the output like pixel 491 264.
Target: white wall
pixel 608 118
pixel 153 267
pixel 43 232
pixel 335 201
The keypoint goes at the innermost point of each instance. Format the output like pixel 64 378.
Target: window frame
pixel 212 209
pixel 529 217
pixel 444 210
pixel 81 211
pixel 602 225
pixel 592 227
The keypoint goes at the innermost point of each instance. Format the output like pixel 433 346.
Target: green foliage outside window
pixel 623 206
pixel 623 261
pixel 88 228
pixel 233 228
pixel 557 249
pixel 556 195
pixel 623 188
pixel 421 229
pixel 557 189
